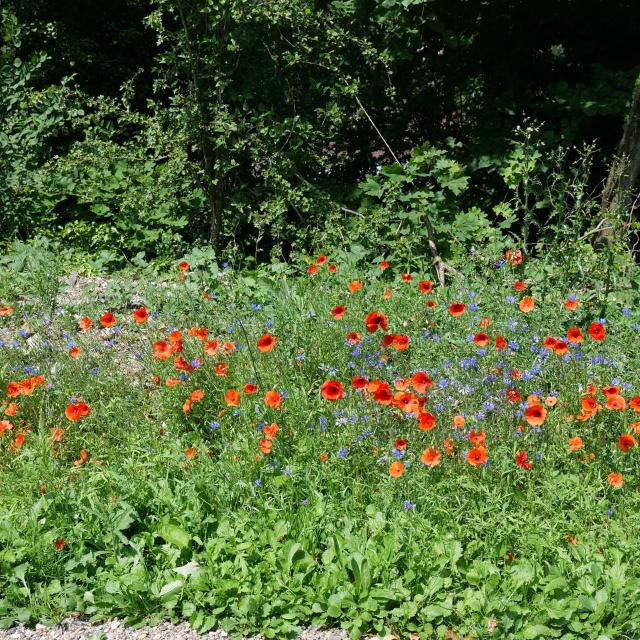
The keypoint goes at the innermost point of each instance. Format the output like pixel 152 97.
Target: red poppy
pixel 500 343
pixel 249 389
pixel 513 395
pixel 477 456
pixel 571 304
pixel 85 323
pixel 359 382
pixel 338 312
pixel 626 442
pixel 384 264
pixel 60 544
pixel 407 277
pixel 74 352
pixel 576 443
pixel 222 369
pixel 163 351
pixel 332 268
pixel 421 382
pixel 535 415
pixel 270 431
pixel 400 444
pixel 616 403
pixel 356 285
pixel 273 399
pixel 183 266
pixel 396 469
pixel 425 286
pixel 427 421
pixel 141 315
pixel 211 348
pixel 108 320
pixel 481 339
pixel 430 457
pixel 266 343
pixel 265 446
pixel 190 453
pixel 332 390
pixel 560 348
pixel 312 270
pixel 375 321
pixel 616 480
pixel 597 331
pixel 84 454
pixel 6 310
pixel 232 398
pixel 456 309
pixel 382 395
pixel 574 335
pixel 526 304
pixel 321 260
pixel 519 286
pixel 522 460
pixel 75 411
pixel 634 404
pixel 353 338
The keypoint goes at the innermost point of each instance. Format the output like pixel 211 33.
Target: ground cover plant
pixel 335 445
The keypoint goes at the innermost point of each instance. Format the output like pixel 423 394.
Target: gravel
pixel 73 629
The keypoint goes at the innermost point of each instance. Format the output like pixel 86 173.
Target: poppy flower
pixel 162 350
pixel 75 411
pixel 459 421
pixel 171 382
pixel 400 444
pixel 332 268
pixel 421 382
pixel 74 352
pixel 485 322
pixel 384 265
pixel 332 390
pixel 353 338
pixel 611 390
pixel 321 260
pixel 266 445
pixel 597 331
pixel 198 332
pixel 389 339
pixel 141 315
pixel 270 431
pixel 574 335
pixel 324 456
pixel 400 343
pixel 512 258
pixel 430 457
pixel 108 320
pixel 513 395
pixel 478 439
pixel 382 395
pixel 249 389
pixel 551 401
pixel 535 415
pixel 182 365
pixel 477 456
pixel 222 369
pixel 616 403
pixel 634 404
pixel 356 285
pixel 190 453
pixel 560 348
pixel 406 402
pixel 431 303
pixel 481 339
pixel 312 270
pixel 85 324
pixel 359 382
pixel 571 304
pixel 526 304
pixel 183 266
pixel 522 460
pixel 338 312
pixel 425 286
pixel 273 399
pixel 456 309
pixel 500 343
pixel 626 442
pixel 387 294
pixel 375 321
pixel 84 454
pixel 267 343
pixel 426 421
pixel 396 469
pixel 518 286
pixel 19 441
pixel 407 277
pixel 6 310
pixel 5 425
pixel 60 544
pixel 615 480
pixel 576 443
pixel 211 348
pixel 232 398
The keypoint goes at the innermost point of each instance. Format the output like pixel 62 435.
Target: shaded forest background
pixel 135 129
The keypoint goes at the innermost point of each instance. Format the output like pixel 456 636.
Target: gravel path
pixel 114 630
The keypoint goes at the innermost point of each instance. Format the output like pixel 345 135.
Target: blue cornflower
pixel 343 453
pixel 408 505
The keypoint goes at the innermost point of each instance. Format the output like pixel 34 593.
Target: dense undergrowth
pixel 337 446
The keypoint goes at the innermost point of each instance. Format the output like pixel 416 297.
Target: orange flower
pixel 82 459
pixel 407 277
pixel 211 348
pixel 183 266
pixel 576 443
pixel 634 404
pixel 551 401
pixel 396 469
pixel 60 544
pixel 85 323
pixel 526 304
pixel 626 442
pixel 427 421
pixel 430 457
pixel 571 304
pixel 478 439
pixel 11 410
pixel 141 315
pixel 332 268
pixel 6 310
pixel 400 444
pixel 332 390
pixel 549 343
pixel 597 331
pixel 456 309
pixel 232 398
pixel 19 441
pixel 501 343
pixel 249 389
pixel 190 453
pixel 387 294
pixel 459 421
pixel 74 352
pixel 425 286
pixel 616 403
pixel 384 264
pixel 108 320
pixel 222 369
pixel 266 445
pixel 321 260
pixel 163 351
pixel 324 456
pixel 611 390
pixel 375 321
pixel 359 382
pixel 198 332
pixel 560 348
pixel 338 312
pixel 615 480
pixel 356 285
pixel 448 445
pixel 518 286
pixel 421 382
pixel 312 270
pixel 481 339
pixel 574 335
pixel 273 399
pixel 5 425
pixel 267 343
pixel 76 411
pixel 271 430
pixel 353 338
pixel 535 415
pixel 431 303
pixel 172 382
pixel 228 347
pixel 477 456
pixel 485 322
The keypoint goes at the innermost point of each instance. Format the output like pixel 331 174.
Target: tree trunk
pixel 625 169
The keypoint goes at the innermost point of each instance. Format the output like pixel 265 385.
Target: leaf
pixel 174 535
pixel 535 631
pixel 170 588
pixel 188 569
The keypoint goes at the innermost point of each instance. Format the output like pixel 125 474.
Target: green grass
pixel 179 515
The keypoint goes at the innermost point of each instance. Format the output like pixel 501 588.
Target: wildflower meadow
pixel 332 444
